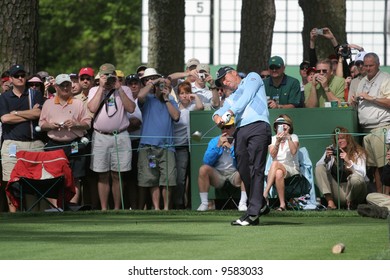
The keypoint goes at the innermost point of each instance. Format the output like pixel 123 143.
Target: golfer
pixel 248 104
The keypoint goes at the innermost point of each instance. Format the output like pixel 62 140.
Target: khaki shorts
pixel 156 167
pixel 107 156
pixel 233 178
pixel 8 162
pixel 374 143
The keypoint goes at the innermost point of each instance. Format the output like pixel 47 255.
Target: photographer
pixel 346 166
pixel 109 102
pixel 156 157
pixel 324 87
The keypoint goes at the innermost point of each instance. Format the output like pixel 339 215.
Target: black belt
pixel 111 133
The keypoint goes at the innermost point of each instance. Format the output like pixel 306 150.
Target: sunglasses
pixel 304 67
pixel 226 127
pixel 322 71
pixel 64 85
pixel 264 76
pixel 17 76
pixel 35 84
pixel 274 67
pixel 85 79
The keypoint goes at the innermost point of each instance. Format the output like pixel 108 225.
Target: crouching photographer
pixel 341 173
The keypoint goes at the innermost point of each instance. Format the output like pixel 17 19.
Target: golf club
pixel 197 135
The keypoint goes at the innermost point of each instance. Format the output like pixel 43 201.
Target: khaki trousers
pixel 354 190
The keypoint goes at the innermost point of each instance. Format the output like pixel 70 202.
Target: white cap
pixel 360 56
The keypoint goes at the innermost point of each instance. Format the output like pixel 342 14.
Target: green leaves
pixel 75 34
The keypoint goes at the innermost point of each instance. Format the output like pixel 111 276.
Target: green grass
pixel 189 235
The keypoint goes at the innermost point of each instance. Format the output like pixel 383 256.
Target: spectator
pixel 248 104
pixel 111 145
pixel 284 153
pixel 156 157
pixel 190 73
pixel 137 196
pixel 347 165
pixel 140 71
pixel 372 99
pixel 121 76
pixel 86 77
pixel 209 98
pixel 188 101
pixel 5 82
pixel 66 120
pixel 75 87
pixel 359 64
pixel 310 74
pixel 264 73
pixel 219 167
pixel 90 194
pixel 378 206
pixel 36 83
pixel 324 87
pixel 19 113
pixel 303 73
pixel 283 90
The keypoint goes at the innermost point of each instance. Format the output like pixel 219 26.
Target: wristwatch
pixel 327 89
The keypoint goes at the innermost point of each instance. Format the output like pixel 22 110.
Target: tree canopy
pixel 75 34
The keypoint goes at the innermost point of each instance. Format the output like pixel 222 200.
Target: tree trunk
pixel 166 35
pixel 257 25
pixel 18 34
pixel 319 13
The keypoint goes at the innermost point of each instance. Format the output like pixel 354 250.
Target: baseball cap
pixel 310 69
pixel 132 77
pixel 106 68
pixel 360 56
pixel 15 69
pixel 141 68
pixel 86 71
pixel 230 122
pixel 150 72
pixel 221 73
pixel 192 62
pixel 62 78
pixel 304 64
pixel 43 74
pixel 203 67
pixel 119 73
pixel 276 60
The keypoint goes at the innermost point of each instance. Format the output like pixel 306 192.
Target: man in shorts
pixel 156 156
pixel 219 167
pixel 111 145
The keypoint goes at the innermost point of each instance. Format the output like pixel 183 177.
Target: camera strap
pixel 102 104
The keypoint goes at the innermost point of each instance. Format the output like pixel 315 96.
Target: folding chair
pixel 44 175
pixel 43 189
pixel 299 185
pixel 229 191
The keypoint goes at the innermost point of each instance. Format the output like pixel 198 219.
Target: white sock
pixel 243 198
pixel 204 198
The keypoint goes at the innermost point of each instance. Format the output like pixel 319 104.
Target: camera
pixel 320 31
pixel 333 149
pixel 280 128
pixel 345 51
pixel 111 79
pixel 202 76
pixel 161 85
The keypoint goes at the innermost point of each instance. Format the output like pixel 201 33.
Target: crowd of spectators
pixel 145 116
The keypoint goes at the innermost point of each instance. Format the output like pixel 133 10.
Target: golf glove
pixel 226 117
